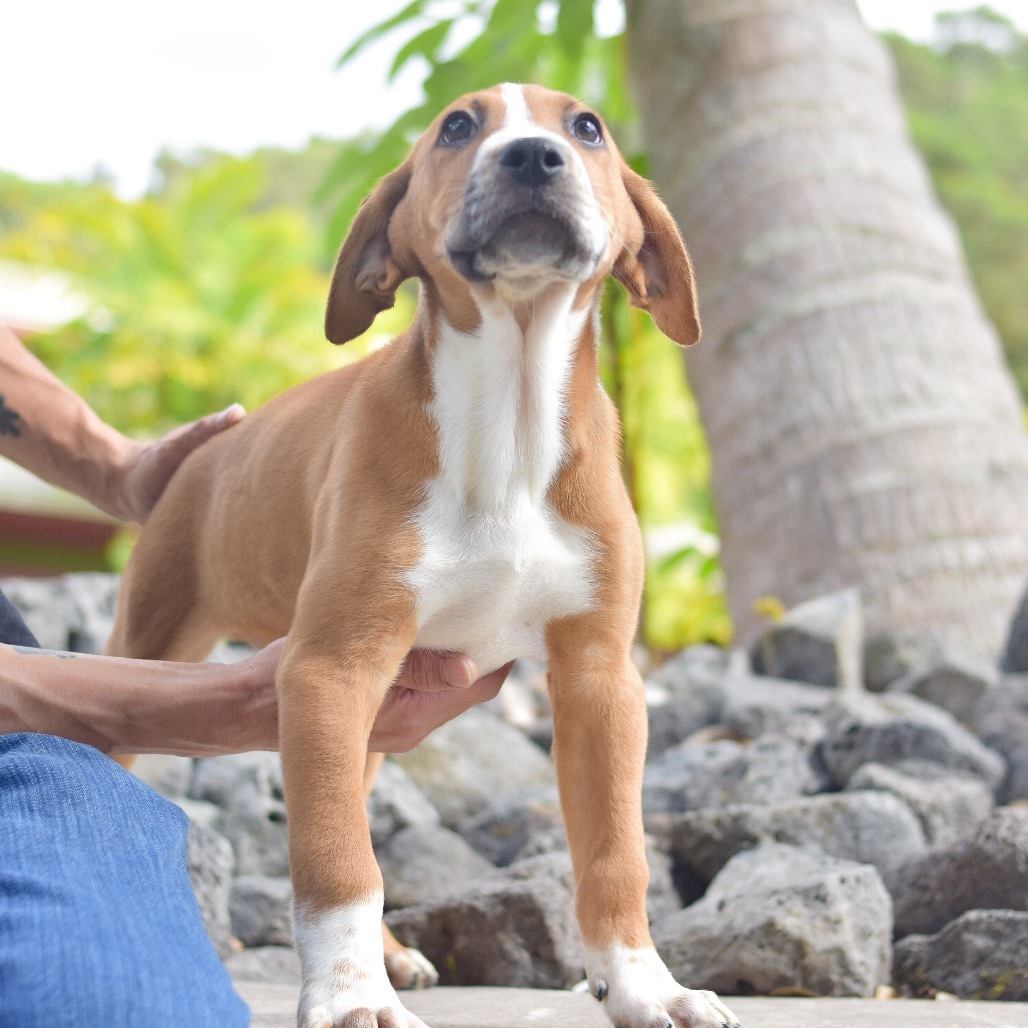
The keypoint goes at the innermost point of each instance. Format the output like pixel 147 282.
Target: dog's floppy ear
pixel 367 274
pixel 659 276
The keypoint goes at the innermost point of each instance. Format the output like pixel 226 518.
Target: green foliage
pixel 203 294
pixel 291 179
pixel 667 467
pixel 967 104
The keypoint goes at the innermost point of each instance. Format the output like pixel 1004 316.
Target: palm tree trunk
pixel 863 426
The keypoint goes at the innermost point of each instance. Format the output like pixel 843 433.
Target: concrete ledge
pixel 274 1006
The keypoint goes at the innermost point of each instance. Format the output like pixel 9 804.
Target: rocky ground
pixel 826 815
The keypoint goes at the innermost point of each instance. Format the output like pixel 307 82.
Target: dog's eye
pixel 586 129
pixel 458 127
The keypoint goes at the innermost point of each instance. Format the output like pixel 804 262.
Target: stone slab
pixel 274 1006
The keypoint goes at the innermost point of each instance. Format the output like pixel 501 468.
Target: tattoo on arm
pixel 9 419
pixel 35 651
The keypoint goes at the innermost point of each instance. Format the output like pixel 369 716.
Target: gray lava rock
pixel 988 871
pixel 255 825
pixel 247 787
pixel 513 928
pixel 662 898
pixel 983 954
pixel 782 917
pixel 1001 721
pixel 820 642
pixel 423 862
pixel 890 656
pixel 199 811
pixel 547 840
pixel 1015 652
pixel 72 612
pixel 169 775
pixel 691 777
pixel 667 780
pixel 466 764
pixel 755 706
pixel 956 684
pixel 279 965
pixel 707 688
pixel 867 827
pixel 687 674
pixel 217 779
pixel 505 830
pixel 396 802
pixel 685 695
pixel 209 863
pixel 950 807
pixel 892 728
pixel 261 910
pixel 672 720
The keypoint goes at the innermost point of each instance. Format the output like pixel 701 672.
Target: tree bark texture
pixel 863 425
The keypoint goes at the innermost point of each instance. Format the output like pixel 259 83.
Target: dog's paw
pixel 356 1006
pixel 345 984
pixel 637 991
pixel 409 968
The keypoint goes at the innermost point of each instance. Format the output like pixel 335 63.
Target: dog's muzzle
pixel 525 213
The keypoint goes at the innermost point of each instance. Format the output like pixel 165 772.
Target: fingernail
pixel 233 411
pixel 458 672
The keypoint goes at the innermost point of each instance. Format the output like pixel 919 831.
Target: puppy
pixel 458 489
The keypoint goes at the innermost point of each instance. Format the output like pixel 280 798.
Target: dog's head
pixel 511 190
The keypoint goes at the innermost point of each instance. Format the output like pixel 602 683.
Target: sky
pixel 110 83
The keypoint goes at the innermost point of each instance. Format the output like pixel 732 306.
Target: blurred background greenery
pixel 210 288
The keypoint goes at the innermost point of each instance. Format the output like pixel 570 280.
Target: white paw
pixel 344 976
pixel 637 991
pixel 354 1008
pixel 352 996
pixel 409 968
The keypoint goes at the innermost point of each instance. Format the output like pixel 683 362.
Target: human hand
pixel 431 689
pixel 146 467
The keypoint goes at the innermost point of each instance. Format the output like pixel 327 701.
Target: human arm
pixel 51 431
pixel 120 705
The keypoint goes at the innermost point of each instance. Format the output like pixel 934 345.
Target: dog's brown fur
pixel 299 522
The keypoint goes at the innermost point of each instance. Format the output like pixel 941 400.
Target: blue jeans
pixel 98 924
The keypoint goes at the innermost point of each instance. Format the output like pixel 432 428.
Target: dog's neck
pixel 499 395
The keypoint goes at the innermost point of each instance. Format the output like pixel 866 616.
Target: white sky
pixel 88 83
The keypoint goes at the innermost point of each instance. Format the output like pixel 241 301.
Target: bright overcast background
pixel 109 83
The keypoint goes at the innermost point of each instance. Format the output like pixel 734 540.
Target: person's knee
pixel 99 925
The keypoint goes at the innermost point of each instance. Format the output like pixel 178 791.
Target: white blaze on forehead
pixel 517 112
pixel 519 123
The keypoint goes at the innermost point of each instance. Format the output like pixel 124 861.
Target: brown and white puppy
pixel 458 489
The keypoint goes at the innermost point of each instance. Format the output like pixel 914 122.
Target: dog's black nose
pixel 532 162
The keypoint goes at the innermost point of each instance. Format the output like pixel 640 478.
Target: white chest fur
pixel 498 563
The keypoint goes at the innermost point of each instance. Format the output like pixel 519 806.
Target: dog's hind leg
pixel 156 614
pixel 407 967
pixel 159 612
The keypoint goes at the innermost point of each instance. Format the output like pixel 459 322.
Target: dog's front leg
pixel 599 716
pixel 328 699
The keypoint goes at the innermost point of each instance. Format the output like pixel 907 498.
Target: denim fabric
pixel 98 924
pixel 13 629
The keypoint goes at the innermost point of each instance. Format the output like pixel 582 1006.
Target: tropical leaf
pixel 407 14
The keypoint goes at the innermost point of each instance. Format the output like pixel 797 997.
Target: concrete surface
pixel 274 1006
